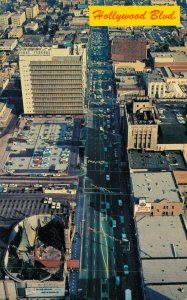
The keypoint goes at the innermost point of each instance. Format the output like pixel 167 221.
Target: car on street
pixel 118 281
pixel 128 294
pixel 114 223
pixel 124 237
pixel 108 177
pixel 126 269
pixel 107 205
pixel 106 164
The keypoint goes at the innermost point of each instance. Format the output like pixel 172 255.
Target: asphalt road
pixel 104 254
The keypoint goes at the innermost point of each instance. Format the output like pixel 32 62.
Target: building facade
pixel 32 11
pixel 8 45
pixel 53 81
pixel 5 20
pixel 155 84
pixel 18 19
pixel 3 58
pixel 155 194
pixel 142 136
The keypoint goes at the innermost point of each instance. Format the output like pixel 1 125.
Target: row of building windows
pixel 48 68
pixel 47 65
pixel 142 130
pixel 164 213
pixel 55 77
pixel 58 105
pixel 53 72
pixel 157 88
pixel 142 145
pixel 53 63
pixel 57 90
pixel 57 81
pixel 57 99
pixel 142 135
pixel 56 95
pixel 164 207
pixel 62 111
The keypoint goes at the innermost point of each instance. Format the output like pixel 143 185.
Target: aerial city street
pixel 93 160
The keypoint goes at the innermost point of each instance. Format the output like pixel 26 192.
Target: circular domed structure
pixel 35 249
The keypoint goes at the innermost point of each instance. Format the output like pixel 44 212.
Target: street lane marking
pixel 106 245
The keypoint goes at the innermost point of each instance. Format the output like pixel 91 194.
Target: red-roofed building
pixel 48 256
pixel 129 49
pixel 73 264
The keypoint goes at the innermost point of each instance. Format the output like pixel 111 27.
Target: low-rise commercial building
pixel 72 2
pixel 128 86
pixel 8 45
pixel 32 26
pixel 181 179
pixel 129 49
pixel 162 248
pixel 155 84
pixel 176 61
pixel 172 128
pixel 157 161
pixel 79 21
pixel 163 2
pixel 15 33
pixel 155 194
pixel 137 66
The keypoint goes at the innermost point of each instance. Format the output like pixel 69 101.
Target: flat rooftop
pixel 155 186
pixel 153 161
pixel 176 160
pixel 176 56
pixel 156 76
pixel 165 271
pixel 145 117
pixel 157 161
pixel 172 127
pixel 166 292
pixel 172 134
pixel 156 235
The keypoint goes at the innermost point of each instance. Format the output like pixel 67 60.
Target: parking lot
pixel 41 145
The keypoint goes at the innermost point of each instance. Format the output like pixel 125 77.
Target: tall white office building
pixel 53 80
